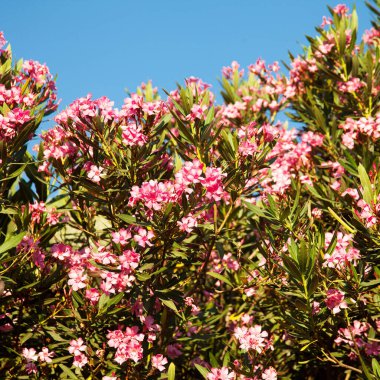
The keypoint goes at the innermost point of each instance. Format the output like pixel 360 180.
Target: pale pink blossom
pixel 92 295
pixel 121 237
pixel 343 253
pixel 159 361
pixel 220 374
pixel 45 355
pixel 30 354
pixel 77 278
pixel 316 212
pixel 269 374
pixel 143 237
pixel 76 346
pixel 94 173
pixel 187 223
pixel 252 338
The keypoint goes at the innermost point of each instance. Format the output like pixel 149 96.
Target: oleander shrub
pixel 178 238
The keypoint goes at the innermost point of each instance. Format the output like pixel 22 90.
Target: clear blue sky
pixel 104 46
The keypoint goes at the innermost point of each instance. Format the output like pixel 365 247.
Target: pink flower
pixel 189 174
pixel 326 21
pixel 313 139
pixel 94 173
pixel 343 252
pixel 121 237
pixel 29 354
pixel 77 278
pixel 31 368
pixel 159 361
pixel 230 262
pixel 80 360
pixel 129 260
pixel 335 300
pixel 53 217
pixel 336 185
pixel 61 251
pixel 187 223
pixel 353 193
pixel 173 350
pixel 93 295
pixel 197 112
pixel 45 355
pixel 76 346
pixel 269 374
pixel 220 374
pixel 132 135
pixel 2 40
pixel 371 35
pixel 128 344
pixel 213 183
pixel 143 237
pixel 252 338
pixel 372 348
pixel 352 85
pixel 367 214
pixel 229 71
pixel 153 194
pixel 37 209
pixel 315 309
pixel 341 9
pixel 356 332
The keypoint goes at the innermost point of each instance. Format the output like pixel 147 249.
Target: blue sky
pixel 103 47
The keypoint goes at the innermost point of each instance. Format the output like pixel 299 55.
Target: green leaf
pixel 144 276
pixel 77 298
pixel 376 367
pixel 12 242
pixel 102 303
pixel 202 370
pixel 114 300
pixel 170 304
pixel 291 267
pixel 61 359
pixel 366 183
pixel 365 369
pixel 342 38
pixel 354 20
pixel 220 277
pixel 26 337
pixel 307 345
pixel 213 360
pixel 255 209
pixel 370 284
pixel 341 221
pixel 68 372
pixel 226 359
pixel 56 336
pixel 171 371
pixel 130 219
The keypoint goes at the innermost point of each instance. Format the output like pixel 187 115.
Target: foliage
pixel 183 239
